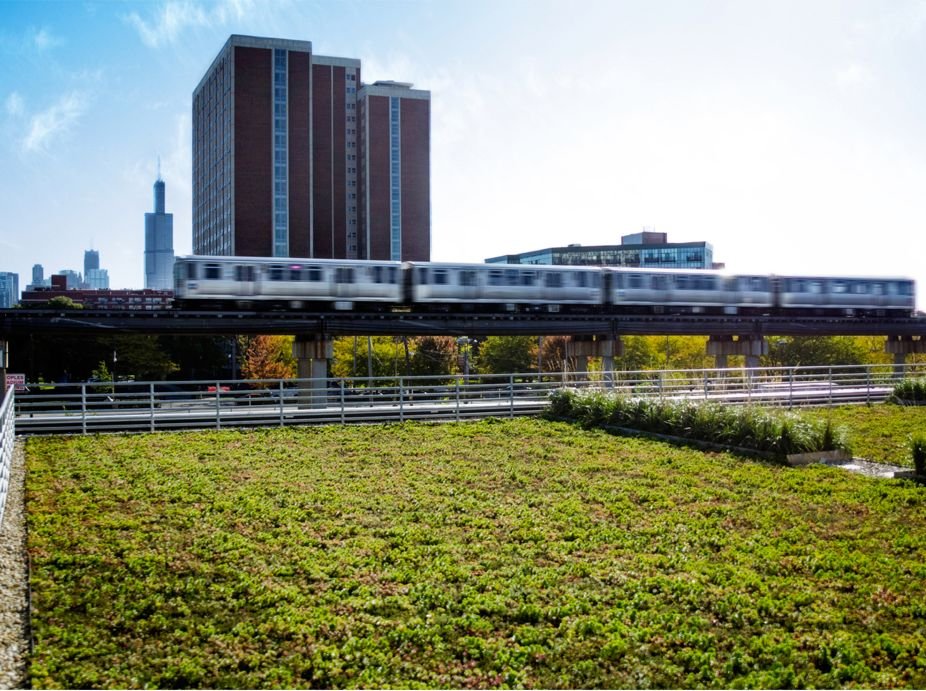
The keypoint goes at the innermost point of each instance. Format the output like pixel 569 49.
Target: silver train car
pixel 331 284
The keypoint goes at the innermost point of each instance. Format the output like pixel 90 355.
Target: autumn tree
pixel 432 355
pixel 268 357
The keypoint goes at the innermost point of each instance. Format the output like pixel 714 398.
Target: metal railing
pixel 151 406
pixel 7 440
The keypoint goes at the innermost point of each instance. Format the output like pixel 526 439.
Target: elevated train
pixel 330 284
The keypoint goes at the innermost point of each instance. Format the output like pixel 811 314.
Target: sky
pixel 790 135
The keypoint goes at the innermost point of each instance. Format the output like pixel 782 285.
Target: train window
pixel 295 274
pixel 905 288
pixel 660 282
pixel 376 274
pixel 191 271
pixel 511 277
pixel 816 287
pixel 635 281
pixel 595 280
pixel 528 278
pixel 467 278
pixel 579 278
pixel 618 280
pixel 343 275
pixel 392 274
pixel 839 287
pixel 859 288
pixel 213 272
pixel 440 277
pixel 797 285
pixel 553 280
pixel 275 273
pixel 422 275
pixel 315 274
pixel 681 282
pixel 496 278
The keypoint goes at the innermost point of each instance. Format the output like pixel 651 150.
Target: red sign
pixel 17 380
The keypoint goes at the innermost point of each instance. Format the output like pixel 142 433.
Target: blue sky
pixel 790 135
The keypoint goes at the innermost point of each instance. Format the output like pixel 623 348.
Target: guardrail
pixel 7 440
pixel 150 406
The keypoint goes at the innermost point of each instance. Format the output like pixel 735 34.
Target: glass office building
pixel 647 250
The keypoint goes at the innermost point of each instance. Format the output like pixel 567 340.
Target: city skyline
pixel 788 136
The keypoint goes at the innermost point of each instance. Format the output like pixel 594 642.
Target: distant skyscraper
pixel 38 277
pixel 91 261
pixel 159 243
pixel 9 289
pixel 96 279
pixel 72 278
pixel 294 156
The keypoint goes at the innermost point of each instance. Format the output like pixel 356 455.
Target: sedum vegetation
pixel 485 554
pixel 879 433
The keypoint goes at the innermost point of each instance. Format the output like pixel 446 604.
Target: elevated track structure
pixel 593 335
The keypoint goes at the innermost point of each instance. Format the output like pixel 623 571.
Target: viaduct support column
pixel 752 347
pixel 605 347
pixel 312 354
pixel 4 363
pixel 900 347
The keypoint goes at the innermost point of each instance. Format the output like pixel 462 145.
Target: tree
pixel 637 354
pixel 269 357
pixel 63 302
pixel 355 357
pixel 794 351
pixel 432 355
pixel 507 354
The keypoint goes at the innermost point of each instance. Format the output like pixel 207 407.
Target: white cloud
pixel 176 16
pixel 855 75
pixel 15 105
pixel 43 39
pixel 44 127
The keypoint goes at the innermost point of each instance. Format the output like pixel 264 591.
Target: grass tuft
pixel 744 427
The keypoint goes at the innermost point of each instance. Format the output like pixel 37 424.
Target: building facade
pixel 9 289
pixel 639 250
pixel 395 180
pixel 279 151
pixel 138 300
pixel 159 243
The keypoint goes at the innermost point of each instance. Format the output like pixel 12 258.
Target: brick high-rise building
pixel 294 157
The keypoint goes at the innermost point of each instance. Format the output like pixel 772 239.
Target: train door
pixel 345 282
pixel 245 278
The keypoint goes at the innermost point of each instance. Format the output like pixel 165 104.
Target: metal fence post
pixel 151 405
pixel 342 402
pixel 868 385
pixel 281 401
pixel 511 395
pixel 830 377
pixel 218 404
pixel 401 401
pixel 458 399
pixel 83 408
